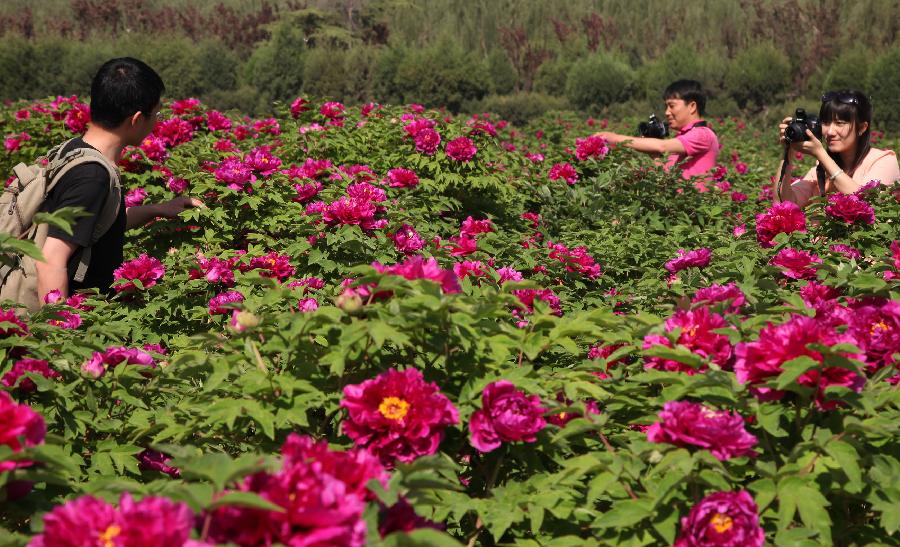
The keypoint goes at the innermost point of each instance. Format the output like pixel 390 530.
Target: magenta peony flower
pixel 78 117
pixel 781 218
pixel 427 141
pixel 691 424
pixel 471 227
pixel 561 419
pixel 698 258
pixel 322 492
pixel 461 149
pixel 761 360
pixel 299 106
pixel 417 267
pixel 216 121
pixel 262 161
pixel 715 293
pixel 307 305
pixel 144 269
pixel 273 265
pixel 19 423
pixel 221 303
pixel 151 460
pixel 332 110
pixel 135 196
pixel 15 325
pixel 155 149
pixel 412 129
pixel 348 210
pixel 99 362
pixel 65 319
pixel 850 209
pixel 407 240
pixel 563 171
pixel 727 519
pixel 469 267
pixel 528 296
pixel 591 147
pixel 402 178
pixel 185 106
pixel 508 274
pixel 397 415
pixel 90 521
pixel 268 126
pixel 462 245
pixel 18 370
pixel 796 264
pixel 876 325
pixel 697 335
pixel 174 131
pixel 306 192
pixel 576 259
pixel 235 173
pixel 506 415
pixel 366 192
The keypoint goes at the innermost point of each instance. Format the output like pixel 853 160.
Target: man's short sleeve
pixel 697 141
pixel 85 186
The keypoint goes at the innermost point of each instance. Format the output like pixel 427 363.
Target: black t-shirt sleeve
pixel 85 186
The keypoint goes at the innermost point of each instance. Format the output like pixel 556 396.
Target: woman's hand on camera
pixel 812 147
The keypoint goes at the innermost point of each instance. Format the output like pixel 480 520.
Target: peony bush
pixel 393 327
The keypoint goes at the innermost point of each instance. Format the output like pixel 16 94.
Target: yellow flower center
pixel 393 408
pixel 562 415
pixel 721 522
pixel 879 326
pixel 107 537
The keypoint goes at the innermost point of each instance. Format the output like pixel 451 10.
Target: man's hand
pixel 52 273
pixel 173 207
pixel 611 138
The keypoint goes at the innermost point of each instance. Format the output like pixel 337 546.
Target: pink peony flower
pixel 427 141
pixel 155 149
pixel 561 419
pixel 576 259
pixel 350 211
pixel 135 196
pixel 876 325
pixel 273 265
pixel 90 521
pixel 417 267
pixel 185 106
pixel 739 230
pixel 298 106
pixel 462 245
pixel 262 161
pixel 322 493
pixel 114 356
pixel 174 131
pixel 402 178
pixel 729 519
pixel 850 209
pixel 563 171
pixel 78 117
pixel 18 423
pixel 761 360
pixel 397 415
pixel 591 147
pixel 781 218
pixel 235 173
pixel 17 374
pixel 144 269
pixel 796 264
pixel 332 110
pixel 268 126
pixel 528 297
pixel 469 267
pixel 698 258
pixel 697 335
pixel 407 240
pixel 366 192
pixel 306 192
pixel 684 423
pixel 846 250
pixel 471 227
pixel 151 460
pixel 461 149
pixel 222 304
pixel 412 129
pixel 214 270
pixel 65 319
pixel 506 415
pixel 715 293
pixel 15 325
pixel 14 142
pixel 508 274
pixel 307 305
pixel 401 517
pixel 216 121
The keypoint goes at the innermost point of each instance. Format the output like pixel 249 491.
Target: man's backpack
pixel 23 198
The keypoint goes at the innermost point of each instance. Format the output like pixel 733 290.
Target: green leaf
pixel 848 460
pixel 793 369
pixel 625 513
pixel 245 499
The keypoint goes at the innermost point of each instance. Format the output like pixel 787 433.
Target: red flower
pixel 698 258
pixel 777 344
pixel 471 227
pixel 145 269
pixel 782 218
pixel 591 147
pixel 18 422
pixel 402 178
pixel 729 519
pixel 796 264
pixel 697 335
pixel 18 370
pixel 877 327
pixel 850 209
pixel 299 106
pixel 216 121
pixel 397 415
pixel 461 149
pixel 427 141
pixel 563 171
pixel 332 110
pixel 691 424
pixel 506 415
pixel 715 293
pixel 273 265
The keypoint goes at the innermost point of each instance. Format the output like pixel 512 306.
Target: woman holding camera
pixel 846 161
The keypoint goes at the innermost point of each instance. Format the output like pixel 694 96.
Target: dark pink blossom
pixel 684 423
pixel 472 228
pixel 144 269
pixel 427 141
pixel 506 415
pixel 697 258
pixel 461 149
pixel 16 375
pixel 114 356
pixel 273 265
pixel 262 161
pixel 235 173
pixel 696 334
pixel 850 209
pixel 298 106
pixel 730 294
pixel 152 460
pixel 223 303
pixel 402 178
pixel 174 131
pixel 591 147
pixel 366 192
pixel 417 267
pixel 781 218
pixel 78 117
pixel 332 110
pixel 575 259
pixel 726 519
pixel 135 196
pixel 398 416
pixel 407 240
pixel 796 264
pixel 216 121
pixel 563 171
pixel 19 422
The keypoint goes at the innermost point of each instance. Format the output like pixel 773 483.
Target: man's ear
pixel 692 107
pixel 136 118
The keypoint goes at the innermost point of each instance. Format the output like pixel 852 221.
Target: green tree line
pixel 518 58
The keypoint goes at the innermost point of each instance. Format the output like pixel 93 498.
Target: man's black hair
pixel 122 87
pixel 688 90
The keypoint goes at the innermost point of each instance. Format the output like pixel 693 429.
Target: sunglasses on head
pixel 846 98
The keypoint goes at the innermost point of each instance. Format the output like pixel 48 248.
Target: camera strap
pixel 781 173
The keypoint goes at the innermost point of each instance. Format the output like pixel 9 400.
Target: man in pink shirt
pixel 695 147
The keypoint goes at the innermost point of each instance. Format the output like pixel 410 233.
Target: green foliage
pixel 758 75
pixel 551 77
pixel 276 67
pixel 520 108
pixel 442 74
pixel 598 81
pixel 849 70
pixel 884 77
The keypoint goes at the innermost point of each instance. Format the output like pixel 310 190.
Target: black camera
pixel 796 128
pixel 653 128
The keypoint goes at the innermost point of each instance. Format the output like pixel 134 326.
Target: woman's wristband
pixel 836 174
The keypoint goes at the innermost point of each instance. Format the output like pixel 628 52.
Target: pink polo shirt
pixel 701 148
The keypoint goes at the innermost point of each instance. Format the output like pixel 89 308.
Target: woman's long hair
pixel 855 114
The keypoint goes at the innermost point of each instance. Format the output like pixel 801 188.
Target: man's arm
pixel 645 144
pixel 142 214
pixel 52 272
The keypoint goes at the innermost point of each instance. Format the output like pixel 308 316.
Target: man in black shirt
pixel 125 102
